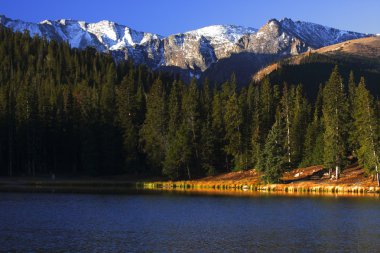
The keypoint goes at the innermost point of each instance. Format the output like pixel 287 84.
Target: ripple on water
pixel 187 223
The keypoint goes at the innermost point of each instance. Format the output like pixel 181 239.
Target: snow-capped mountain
pixel 197 50
pixel 103 35
pixel 193 51
pixel 223 38
pixel 317 35
pixel 288 37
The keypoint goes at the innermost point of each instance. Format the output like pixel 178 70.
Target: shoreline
pixel 290 188
pixel 312 179
pixel 189 187
pixel 69 185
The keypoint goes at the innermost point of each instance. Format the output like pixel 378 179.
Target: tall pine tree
pixel 153 132
pixel 274 154
pixel 335 113
pixel 366 130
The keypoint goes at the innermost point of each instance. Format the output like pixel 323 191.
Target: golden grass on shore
pixel 304 180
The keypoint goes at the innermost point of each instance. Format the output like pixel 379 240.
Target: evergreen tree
pixel 353 144
pixel 313 143
pixel 233 120
pixel 172 160
pixel 267 107
pixel 294 110
pixel 153 132
pixel 140 99
pixel 245 129
pixel 366 130
pixel 127 111
pixel 192 125
pixel 218 127
pixel 256 128
pixel 335 113
pixel 179 154
pixel 91 139
pixel 174 108
pixel 110 142
pixel 301 112
pixel 208 148
pixel 274 153
pixel 287 113
pixel 72 125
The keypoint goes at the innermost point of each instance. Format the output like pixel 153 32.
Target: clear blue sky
pixel 173 16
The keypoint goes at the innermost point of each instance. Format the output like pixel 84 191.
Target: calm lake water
pixel 150 222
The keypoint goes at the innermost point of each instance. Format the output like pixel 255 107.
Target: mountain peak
pixel 46 21
pixel 273 23
pixel 273 20
pixel 271 29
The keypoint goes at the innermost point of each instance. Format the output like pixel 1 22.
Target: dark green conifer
pixel 367 130
pixel 335 114
pixel 154 130
pixel 274 154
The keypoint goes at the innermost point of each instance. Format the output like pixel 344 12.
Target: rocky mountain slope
pixel 194 51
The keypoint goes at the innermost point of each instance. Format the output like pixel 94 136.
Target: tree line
pixel 78 112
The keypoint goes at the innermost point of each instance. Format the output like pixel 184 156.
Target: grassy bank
pixel 297 188
pixel 305 180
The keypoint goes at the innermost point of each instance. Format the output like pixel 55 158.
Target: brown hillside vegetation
pixel 365 47
pixel 351 176
pixel 310 179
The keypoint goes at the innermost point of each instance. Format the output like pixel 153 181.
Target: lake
pixel 172 222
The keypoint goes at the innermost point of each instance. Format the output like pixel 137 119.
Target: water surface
pixel 168 222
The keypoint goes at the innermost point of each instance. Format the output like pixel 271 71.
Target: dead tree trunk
pixel 337 172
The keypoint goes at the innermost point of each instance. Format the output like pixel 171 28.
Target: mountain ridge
pixel 193 52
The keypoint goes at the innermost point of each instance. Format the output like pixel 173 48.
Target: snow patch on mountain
pixel 317 35
pixel 219 34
